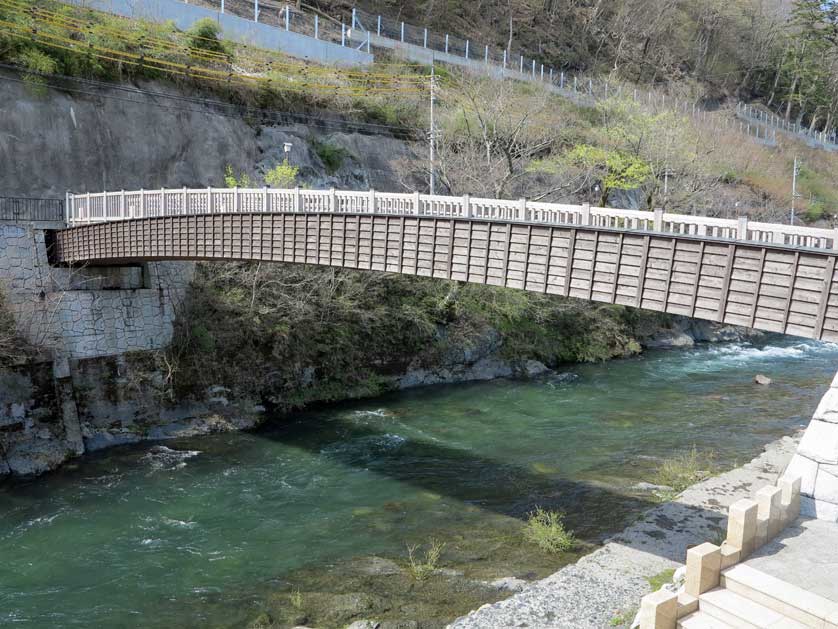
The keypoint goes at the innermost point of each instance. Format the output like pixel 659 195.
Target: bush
pixel 38 63
pixel 546 530
pixel 282 175
pixel 204 35
pixel 332 156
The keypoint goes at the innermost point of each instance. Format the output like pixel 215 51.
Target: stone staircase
pixel 749 599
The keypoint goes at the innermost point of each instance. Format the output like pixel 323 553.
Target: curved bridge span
pixel 771 277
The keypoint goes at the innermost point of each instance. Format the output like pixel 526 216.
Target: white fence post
pixel 742 228
pixel 185 205
pixel 467 45
pixel 658 221
pixel 372 201
pixel 265 207
pixel 297 204
pixel 162 201
pixel 142 203
pixel 417 203
pixel 586 214
pixel 446 43
pixel 522 205
pixel 236 199
pixel 333 205
pixel 467 205
pixel 122 204
pixel 402 36
pixel 210 208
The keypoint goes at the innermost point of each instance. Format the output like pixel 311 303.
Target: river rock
pixel 364 624
pixel 376 566
pixel 510 584
pixel 760 379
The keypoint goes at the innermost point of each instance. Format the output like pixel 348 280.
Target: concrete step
pixel 807 609
pixel 702 620
pixel 743 613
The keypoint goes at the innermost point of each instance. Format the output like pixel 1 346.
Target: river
pixel 308 520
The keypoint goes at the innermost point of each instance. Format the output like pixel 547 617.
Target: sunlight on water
pixel 200 531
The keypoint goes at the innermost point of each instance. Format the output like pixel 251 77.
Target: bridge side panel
pixel 773 289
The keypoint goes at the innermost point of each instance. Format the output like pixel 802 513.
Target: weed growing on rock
pixel 421 569
pixel 683 470
pixel 546 530
pixel 297 599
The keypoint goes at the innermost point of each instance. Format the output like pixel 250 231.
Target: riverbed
pixel 308 520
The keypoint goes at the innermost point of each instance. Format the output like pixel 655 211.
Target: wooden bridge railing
pixel 83 209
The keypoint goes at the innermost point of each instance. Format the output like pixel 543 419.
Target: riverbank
pixel 311 517
pixel 604 588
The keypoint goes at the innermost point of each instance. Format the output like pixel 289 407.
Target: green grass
pixel 685 469
pixel 657 581
pixel 546 530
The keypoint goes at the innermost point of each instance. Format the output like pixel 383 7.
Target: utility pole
pixel 794 188
pixel 433 129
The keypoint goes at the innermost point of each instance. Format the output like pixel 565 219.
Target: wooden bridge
pixel 771 277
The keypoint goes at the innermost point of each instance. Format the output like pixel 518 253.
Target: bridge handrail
pixel 100 207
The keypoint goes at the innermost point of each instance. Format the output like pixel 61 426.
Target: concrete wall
pixel 235 28
pixel 88 312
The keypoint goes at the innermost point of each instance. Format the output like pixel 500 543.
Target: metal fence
pixel 21 209
pixel 827 139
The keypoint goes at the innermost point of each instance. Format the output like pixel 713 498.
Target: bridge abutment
pixel 82 320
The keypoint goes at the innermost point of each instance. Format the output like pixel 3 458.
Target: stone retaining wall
pixel 90 312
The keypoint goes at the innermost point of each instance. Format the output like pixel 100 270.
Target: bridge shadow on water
pixel 594 510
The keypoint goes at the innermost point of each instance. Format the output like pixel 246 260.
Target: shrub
pixel 546 530
pixel 282 175
pixel 38 63
pixel 231 181
pixel 332 156
pixel 204 35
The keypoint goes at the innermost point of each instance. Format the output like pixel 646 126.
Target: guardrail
pixel 83 209
pixel 20 209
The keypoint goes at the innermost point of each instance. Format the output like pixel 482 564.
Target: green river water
pixel 213 532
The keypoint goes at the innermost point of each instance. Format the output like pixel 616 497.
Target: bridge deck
pixel 770 287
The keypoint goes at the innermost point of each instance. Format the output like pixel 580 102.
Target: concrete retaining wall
pixel 235 28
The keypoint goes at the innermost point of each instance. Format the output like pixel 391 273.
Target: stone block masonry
pixel 80 318
pixel 816 461
pixel 87 312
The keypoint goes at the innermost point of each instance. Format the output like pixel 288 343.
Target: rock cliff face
pixel 113 140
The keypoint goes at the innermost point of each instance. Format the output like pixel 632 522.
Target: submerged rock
pixel 510 584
